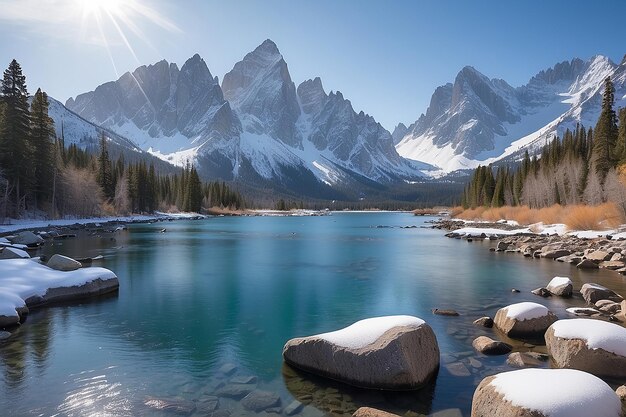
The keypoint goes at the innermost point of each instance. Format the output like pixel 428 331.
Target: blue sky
pixel 387 57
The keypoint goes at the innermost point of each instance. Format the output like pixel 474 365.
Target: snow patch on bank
pixel 21 279
pixel 597 334
pixel 365 332
pixel 558 392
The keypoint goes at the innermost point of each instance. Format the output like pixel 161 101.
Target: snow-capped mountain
pixel 256 127
pixel 477 120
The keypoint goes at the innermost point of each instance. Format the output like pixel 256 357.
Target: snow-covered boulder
pixel 13 253
pixel 592 293
pixel 545 393
pixel 12 309
pixel 26 238
pixel 524 319
pixel 393 352
pixel 595 346
pixel 560 286
pixel 26 283
pixel 63 263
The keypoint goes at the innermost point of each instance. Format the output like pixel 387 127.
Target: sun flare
pixel 95 7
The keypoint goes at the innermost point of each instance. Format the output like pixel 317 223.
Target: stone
pixel 450 412
pixel 591 350
pixel 293 408
pixel 484 321
pixel 553 254
pixel 542 292
pixel 598 256
pixel 593 292
pixel 258 401
pixel 372 412
pixel 173 405
pixel 395 353
pixel 439 312
pixel 587 264
pixel 541 393
pixel 234 391
pixel 458 369
pixel 622 314
pixel 63 263
pixel 524 320
pixel 611 307
pixel 488 346
pixel 560 286
pixel 207 404
pixel 515 290
pixel 26 238
pixel 92 288
pixel 525 360
pixel 612 265
pixel 243 380
pixel 13 253
pixel 621 393
pixel 227 369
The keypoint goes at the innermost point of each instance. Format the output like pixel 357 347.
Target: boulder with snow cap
pixel 594 346
pixel 26 238
pixel 13 253
pixel 592 293
pixel 545 393
pixel 525 320
pixel 63 263
pixel 393 352
pixel 560 286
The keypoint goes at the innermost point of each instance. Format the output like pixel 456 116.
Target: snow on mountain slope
pixel 479 121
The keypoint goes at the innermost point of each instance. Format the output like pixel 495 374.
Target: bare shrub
pixel 80 193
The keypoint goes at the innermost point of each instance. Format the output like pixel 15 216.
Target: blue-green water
pixel 232 290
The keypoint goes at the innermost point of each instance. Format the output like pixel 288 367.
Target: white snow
pixel 558 281
pixel 20 224
pixel 526 311
pixel 597 334
pixel 24 278
pixel 365 332
pixel 558 392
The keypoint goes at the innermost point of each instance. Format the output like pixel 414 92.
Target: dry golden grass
pixel 578 217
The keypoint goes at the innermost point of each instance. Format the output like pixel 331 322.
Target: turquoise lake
pixel 221 296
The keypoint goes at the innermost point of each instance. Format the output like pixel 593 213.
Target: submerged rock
pixel 544 393
pixel 589 345
pixel 171 405
pixel 372 412
pixel 525 320
pixel 439 312
pixel 526 359
pixel 258 401
pixel 484 321
pixel 488 346
pixel 394 352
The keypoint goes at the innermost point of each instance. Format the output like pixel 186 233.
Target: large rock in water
pixel 589 345
pixel 525 320
pixel 63 263
pixel 372 412
pixel 13 253
pixel 26 238
pixel 394 353
pixel 560 286
pixel 544 393
pixel 593 292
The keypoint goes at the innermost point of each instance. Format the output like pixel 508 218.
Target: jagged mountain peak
pixel 312 95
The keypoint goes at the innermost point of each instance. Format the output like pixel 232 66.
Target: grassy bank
pixel 577 217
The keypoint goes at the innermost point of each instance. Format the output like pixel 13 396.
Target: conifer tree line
pixel 586 166
pixel 40 175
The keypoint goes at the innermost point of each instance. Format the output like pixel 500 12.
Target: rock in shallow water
pixel 524 320
pixel 589 345
pixel 592 293
pixel 488 346
pixel 394 352
pixel 63 263
pixel 560 286
pixel 544 393
pixel 372 412
pixel 484 321
pixel 258 401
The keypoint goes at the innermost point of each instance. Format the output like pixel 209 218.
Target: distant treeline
pixel 38 174
pixel 585 167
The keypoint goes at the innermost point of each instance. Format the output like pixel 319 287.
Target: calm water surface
pixel 226 293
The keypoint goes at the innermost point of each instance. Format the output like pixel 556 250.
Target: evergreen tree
pixel 620 148
pixel 15 149
pixel 605 135
pixel 42 137
pixel 105 174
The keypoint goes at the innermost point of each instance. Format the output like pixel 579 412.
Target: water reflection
pixel 231 291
